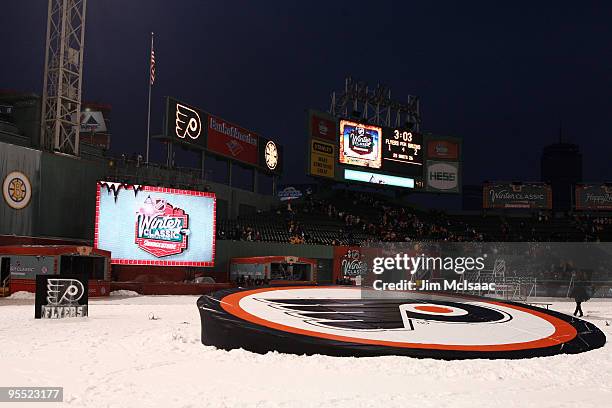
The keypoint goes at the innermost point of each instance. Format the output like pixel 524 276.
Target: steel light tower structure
pixel 375 105
pixel 61 104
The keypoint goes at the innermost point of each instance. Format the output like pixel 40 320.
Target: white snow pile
pixel 124 293
pixel 118 357
pixel 23 295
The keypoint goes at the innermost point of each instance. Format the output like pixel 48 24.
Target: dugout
pixel 276 269
pixel 19 265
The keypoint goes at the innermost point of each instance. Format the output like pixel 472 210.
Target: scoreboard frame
pixel 412 168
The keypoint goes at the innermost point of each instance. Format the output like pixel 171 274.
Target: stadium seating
pixel 370 217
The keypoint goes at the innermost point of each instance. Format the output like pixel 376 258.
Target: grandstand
pixel 321 220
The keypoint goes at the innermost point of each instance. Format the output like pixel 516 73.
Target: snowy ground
pixel 118 357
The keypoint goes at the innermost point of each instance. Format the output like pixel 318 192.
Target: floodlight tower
pixel 375 105
pixel 61 104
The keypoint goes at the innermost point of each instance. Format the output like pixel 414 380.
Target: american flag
pixel 152 76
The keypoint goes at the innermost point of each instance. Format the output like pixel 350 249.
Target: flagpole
pixel 149 105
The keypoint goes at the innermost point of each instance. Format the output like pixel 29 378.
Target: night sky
pixel 503 76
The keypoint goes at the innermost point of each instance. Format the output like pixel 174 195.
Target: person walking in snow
pixel 580 295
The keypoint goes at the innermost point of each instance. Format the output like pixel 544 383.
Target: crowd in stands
pixel 352 218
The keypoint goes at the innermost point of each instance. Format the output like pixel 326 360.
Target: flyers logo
pixel 188 122
pixel 64 292
pixel 364 314
pixel 340 321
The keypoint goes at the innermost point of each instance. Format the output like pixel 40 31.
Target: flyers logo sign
pixel 161 229
pixel 344 321
pixel 64 292
pixel 188 122
pixel 385 314
pixel 62 299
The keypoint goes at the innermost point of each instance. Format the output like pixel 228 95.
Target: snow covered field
pixel 118 357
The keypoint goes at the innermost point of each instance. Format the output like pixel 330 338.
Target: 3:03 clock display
pixel 402 151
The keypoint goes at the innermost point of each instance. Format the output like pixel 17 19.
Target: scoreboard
pixel 395 151
pixel 352 150
pixel 402 151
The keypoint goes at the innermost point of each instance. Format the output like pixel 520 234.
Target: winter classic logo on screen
pixel 161 229
pixel 360 144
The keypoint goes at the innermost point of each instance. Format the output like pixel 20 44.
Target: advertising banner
pixel 442 176
pixel 229 140
pixel 144 225
pixel 92 122
pixel 27 267
pixel 185 124
pixel 322 127
pixel 594 197
pixel 295 191
pixel 442 149
pixel 511 195
pixel 360 144
pixel 349 262
pixel 322 160
pixel 60 296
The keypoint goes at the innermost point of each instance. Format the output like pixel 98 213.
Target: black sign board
pixel 59 296
pixel 402 152
pixel 185 124
pixel 594 197
pixel 511 195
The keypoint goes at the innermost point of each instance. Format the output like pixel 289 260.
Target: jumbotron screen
pixel 145 225
pixel 360 144
pixel 390 151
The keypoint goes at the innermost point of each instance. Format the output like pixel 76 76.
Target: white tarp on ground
pixel 118 357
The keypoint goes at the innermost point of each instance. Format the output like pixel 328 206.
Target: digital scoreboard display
pixel 360 144
pixel 402 152
pixel 368 151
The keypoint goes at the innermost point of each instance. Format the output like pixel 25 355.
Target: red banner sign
pixel 442 149
pixel 349 262
pixel 323 128
pixel 227 139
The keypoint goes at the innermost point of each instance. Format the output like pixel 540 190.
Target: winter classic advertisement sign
pixel 144 225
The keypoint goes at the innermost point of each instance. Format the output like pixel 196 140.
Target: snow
pixel 119 357
pixel 125 293
pixel 22 295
